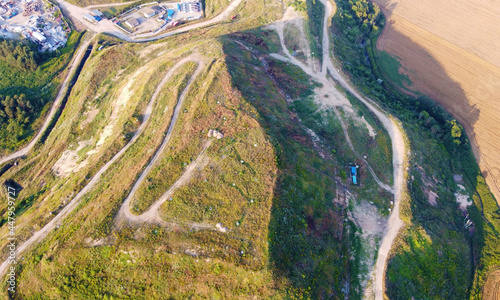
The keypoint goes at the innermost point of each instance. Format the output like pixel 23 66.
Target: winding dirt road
pixel 55 106
pixel 151 215
pixel 399 158
pixel 389 123
pixel 78 13
pixel 42 233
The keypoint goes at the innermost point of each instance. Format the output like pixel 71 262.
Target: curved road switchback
pixel 78 13
pixel 151 215
pixel 42 233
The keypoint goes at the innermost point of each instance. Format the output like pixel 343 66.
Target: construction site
pixel 36 20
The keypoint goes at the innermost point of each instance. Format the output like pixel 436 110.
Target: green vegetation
pixel 299 5
pixel 18 55
pixel 214 7
pixel 221 262
pixel 309 242
pixel 29 83
pixel 436 256
pixel 314 31
pixel 390 67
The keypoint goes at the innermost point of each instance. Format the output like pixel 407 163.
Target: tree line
pixel 19 55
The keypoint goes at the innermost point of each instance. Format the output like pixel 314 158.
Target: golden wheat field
pixel 450 51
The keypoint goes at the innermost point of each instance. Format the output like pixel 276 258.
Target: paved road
pixel 106 26
pixel 55 106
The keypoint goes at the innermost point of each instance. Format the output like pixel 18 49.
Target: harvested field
pixel 449 51
pixel 491 290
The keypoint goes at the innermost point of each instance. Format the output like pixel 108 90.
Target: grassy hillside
pixel 277 189
pixel 435 256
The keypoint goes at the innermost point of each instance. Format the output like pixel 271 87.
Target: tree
pixel 456 131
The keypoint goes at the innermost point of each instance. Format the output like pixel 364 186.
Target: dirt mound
pixel 449 50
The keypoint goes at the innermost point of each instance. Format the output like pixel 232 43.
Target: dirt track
pixel 55 106
pixel 42 233
pixel 392 127
pixel 151 215
pixel 449 50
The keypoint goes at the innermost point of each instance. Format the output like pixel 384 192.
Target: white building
pixel 148 12
pixel 39 37
pixel 132 22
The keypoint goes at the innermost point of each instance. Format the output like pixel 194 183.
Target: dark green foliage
pixel 299 5
pixel 316 15
pixel 437 256
pixel 15 112
pixel 18 55
pixel 427 270
pixel 306 229
pixel 29 82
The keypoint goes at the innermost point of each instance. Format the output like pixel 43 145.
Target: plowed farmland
pixel 449 51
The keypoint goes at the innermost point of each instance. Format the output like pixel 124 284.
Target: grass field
pixel 391 66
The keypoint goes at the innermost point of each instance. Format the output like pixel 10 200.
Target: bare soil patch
pixel 449 50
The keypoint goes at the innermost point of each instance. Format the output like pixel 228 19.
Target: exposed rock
pixel 216 134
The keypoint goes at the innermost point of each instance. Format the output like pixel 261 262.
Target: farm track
pixel 63 91
pixel 57 220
